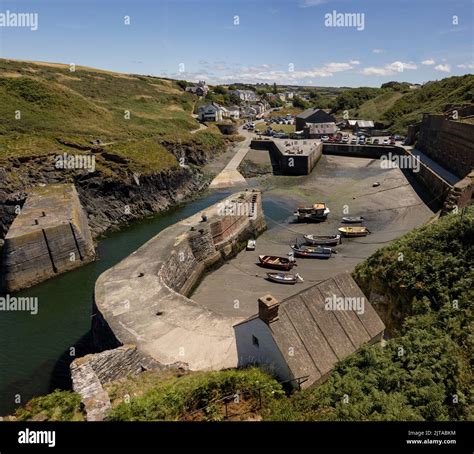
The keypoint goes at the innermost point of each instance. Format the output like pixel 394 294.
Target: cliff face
pixel 110 198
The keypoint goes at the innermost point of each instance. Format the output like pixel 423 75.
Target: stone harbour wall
pixel 49 236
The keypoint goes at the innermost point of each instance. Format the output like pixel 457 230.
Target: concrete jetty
pixel 49 236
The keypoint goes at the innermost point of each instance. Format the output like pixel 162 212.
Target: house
pixel 232 112
pixel 211 112
pixel 201 89
pixel 249 112
pixel 244 95
pixel 312 115
pixel 316 130
pixel 306 334
pixel 363 125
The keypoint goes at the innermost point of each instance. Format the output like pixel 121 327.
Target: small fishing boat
pixel 317 213
pixel 251 245
pixel 352 219
pixel 318 252
pixel 323 240
pixel 354 231
pixel 276 263
pixel 284 278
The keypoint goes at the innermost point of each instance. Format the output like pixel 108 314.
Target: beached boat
pixel 352 219
pixel 251 245
pixel 284 278
pixel 317 213
pixel 323 240
pixel 276 263
pixel 318 252
pixel 354 231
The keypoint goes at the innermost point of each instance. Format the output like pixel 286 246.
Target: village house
pixel 312 115
pixel 244 95
pixel 317 130
pixel 232 112
pixel 360 125
pixel 201 89
pixel 306 334
pixel 211 112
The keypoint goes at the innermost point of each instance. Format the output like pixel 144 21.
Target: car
pixel 376 141
pixel 345 139
pixel 361 141
pixel 369 140
pixel 397 137
pixel 354 141
pixel 325 138
pixel 392 141
pixel 385 141
pixel 332 139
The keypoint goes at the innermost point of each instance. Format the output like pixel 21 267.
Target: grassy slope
pixel 432 97
pixel 373 109
pixel 425 370
pixel 81 106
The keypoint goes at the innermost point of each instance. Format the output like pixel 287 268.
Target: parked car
pixel 376 141
pixel 385 141
pixel 354 141
pixel 325 138
pixel 392 141
pixel 369 140
pixel 345 139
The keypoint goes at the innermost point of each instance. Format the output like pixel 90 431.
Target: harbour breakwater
pixel 142 301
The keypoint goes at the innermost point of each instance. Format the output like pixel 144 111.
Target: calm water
pixel 35 349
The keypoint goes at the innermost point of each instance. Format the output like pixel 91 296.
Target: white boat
pixel 251 245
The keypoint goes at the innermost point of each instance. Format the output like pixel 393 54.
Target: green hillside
pixel 375 108
pixel 433 97
pixel 45 106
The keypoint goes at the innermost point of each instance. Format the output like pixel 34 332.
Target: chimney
pixel 268 308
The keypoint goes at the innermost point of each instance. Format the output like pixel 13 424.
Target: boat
pixel 318 252
pixel 284 278
pixel 354 231
pixel 352 219
pixel 276 263
pixel 251 244
pixel 323 240
pixel 317 212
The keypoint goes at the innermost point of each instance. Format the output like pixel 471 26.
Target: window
pixel 255 341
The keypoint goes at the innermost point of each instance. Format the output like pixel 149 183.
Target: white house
pixel 211 112
pixel 232 112
pixel 244 95
pixel 308 333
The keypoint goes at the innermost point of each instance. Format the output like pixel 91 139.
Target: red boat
pixel 276 263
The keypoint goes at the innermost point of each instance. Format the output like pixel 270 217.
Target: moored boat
pixel 317 212
pixel 323 240
pixel 354 231
pixel 318 252
pixel 284 278
pixel 353 219
pixel 276 263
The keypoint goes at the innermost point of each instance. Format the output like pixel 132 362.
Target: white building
pixel 308 333
pixel 244 95
pixel 211 112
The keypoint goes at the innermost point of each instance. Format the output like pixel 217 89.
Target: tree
pixel 182 83
pixel 275 90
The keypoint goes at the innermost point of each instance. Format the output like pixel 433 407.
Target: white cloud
pixel 310 3
pixel 378 51
pixel 388 69
pixel 468 66
pixel 354 62
pixel 428 62
pixel 443 68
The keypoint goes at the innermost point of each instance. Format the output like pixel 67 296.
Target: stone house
pixel 244 95
pixel 312 115
pixel 306 334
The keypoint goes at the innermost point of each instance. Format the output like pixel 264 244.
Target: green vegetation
pixel 354 98
pixel 57 406
pixel 433 97
pixel 375 108
pixel 45 106
pixel 424 372
pixel 177 397
pixel 278 128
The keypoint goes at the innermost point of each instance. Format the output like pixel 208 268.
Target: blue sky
pixel 283 41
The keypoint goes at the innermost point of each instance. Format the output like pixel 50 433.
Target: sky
pixel 302 42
